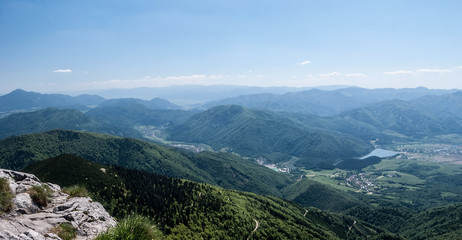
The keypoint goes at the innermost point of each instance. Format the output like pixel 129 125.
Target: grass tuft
pixel 76 191
pixel 65 231
pixel 132 228
pixel 6 197
pixel 39 195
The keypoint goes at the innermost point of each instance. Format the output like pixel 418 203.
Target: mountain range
pixel 254 133
pixel 317 141
pixel 22 100
pixel 325 103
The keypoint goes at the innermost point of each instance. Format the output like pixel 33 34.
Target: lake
pixel 381 153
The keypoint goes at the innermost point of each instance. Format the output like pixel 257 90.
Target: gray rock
pixel 7 235
pixel 52 236
pixel 31 234
pixel 22 203
pixel 28 222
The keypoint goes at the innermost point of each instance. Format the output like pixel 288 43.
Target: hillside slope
pixel 130 115
pixel 52 118
pixel 190 210
pixel 404 120
pixel 221 169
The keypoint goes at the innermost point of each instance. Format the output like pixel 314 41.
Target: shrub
pixel 65 231
pixel 132 228
pixel 6 197
pixel 39 195
pixel 76 191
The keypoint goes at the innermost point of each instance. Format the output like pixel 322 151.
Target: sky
pixel 63 45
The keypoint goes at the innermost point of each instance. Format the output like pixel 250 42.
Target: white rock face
pixel 27 221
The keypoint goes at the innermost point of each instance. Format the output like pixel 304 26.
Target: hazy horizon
pixel 229 86
pixel 55 46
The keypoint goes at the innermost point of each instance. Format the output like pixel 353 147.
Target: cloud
pixel 429 70
pixel 188 77
pixel 328 75
pixel 459 67
pixel 63 71
pixel 355 75
pixel 304 62
pixel 399 72
pixel 422 70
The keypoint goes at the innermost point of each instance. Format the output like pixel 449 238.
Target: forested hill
pixel 222 169
pixel 188 210
pixel 253 133
pixel 53 118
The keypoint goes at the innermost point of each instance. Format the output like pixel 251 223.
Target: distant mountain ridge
pixel 22 100
pixel 325 103
pixel 155 103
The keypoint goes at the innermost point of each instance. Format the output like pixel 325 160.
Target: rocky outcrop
pixel 26 220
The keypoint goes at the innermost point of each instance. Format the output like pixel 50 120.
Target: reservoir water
pixel 381 153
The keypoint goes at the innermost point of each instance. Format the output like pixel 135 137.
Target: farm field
pixel 422 175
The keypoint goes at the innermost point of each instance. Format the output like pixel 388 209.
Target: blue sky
pixel 52 46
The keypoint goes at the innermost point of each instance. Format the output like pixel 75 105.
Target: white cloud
pixel 304 62
pixel 187 77
pixel 429 70
pixel 399 72
pixel 332 74
pixel 355 75
pixel 459 67
pixel 422 70
pixel 63 71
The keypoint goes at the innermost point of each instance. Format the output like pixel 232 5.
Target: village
pixel 361 182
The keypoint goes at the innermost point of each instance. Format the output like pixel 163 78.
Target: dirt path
pixel 257 224
pixel 349 229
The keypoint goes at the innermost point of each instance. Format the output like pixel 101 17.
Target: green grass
pixel 65 231
pixel 328 177
pixel 400 178
pixel 6 197
pixel 39 195
pixel 132 228
pixel 76 191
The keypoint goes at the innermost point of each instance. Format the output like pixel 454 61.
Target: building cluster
pixel 360 181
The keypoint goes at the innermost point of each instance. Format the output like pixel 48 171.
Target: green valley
pixel 185 209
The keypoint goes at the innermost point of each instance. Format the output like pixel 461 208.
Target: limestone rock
pixel 22 203
pixel 27 221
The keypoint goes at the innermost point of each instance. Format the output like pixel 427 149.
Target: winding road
pixel 257 224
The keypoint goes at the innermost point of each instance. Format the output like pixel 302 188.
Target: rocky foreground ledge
pixel 27 221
